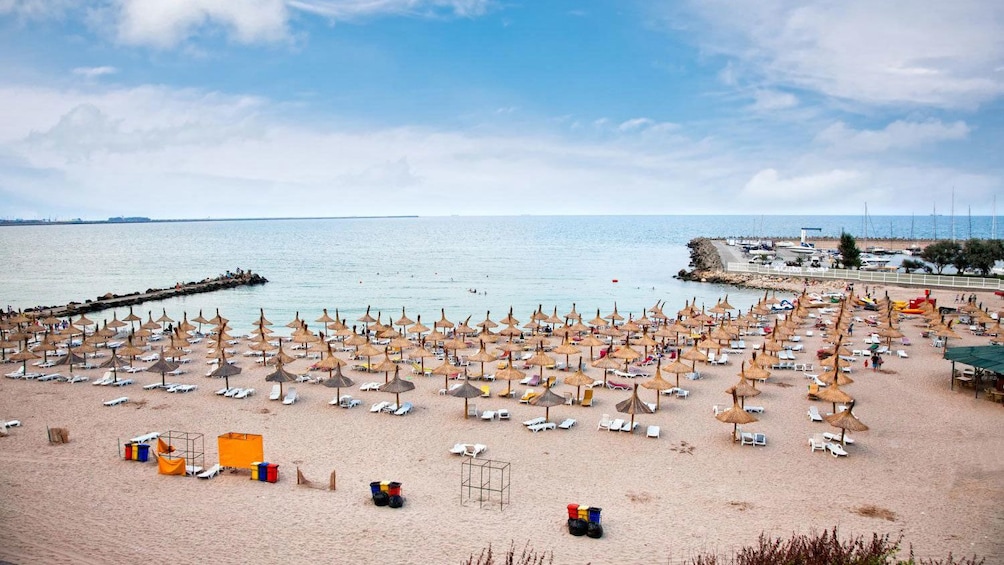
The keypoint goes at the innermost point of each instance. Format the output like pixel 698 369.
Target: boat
pixel 872 262
pixel 803 249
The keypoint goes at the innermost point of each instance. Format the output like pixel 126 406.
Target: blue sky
pixel 199 108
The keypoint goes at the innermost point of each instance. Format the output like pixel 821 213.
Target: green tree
pixel 941 254
pixel 850 255
pixel 982 254
pixel 911 265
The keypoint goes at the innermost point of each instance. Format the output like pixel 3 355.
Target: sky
pixel 303 108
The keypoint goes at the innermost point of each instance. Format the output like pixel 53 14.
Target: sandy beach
pixel 930 464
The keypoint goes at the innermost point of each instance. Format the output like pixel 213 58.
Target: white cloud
pixel 94 72
pixel 897 135
pixel 635 124
pixel 814 187
pixel 35 9
pixel 772 100
pixel 349 9
pixel 165 24
pixel 922 52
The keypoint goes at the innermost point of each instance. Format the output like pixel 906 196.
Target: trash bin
pixel 573 511
pixel 374 487
pixel 263 471
pixel 394 489
pixel 128 451
pixel 273 472
pixel 254 470
pixel 584 513
pixel 384 486
pixel 141 452
pixel 594 514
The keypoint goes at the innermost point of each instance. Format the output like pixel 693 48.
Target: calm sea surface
pixel 425 264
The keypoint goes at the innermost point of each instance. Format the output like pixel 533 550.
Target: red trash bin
pixel 128 451
pixel 573 511
pixel 273 472
pixel 394 489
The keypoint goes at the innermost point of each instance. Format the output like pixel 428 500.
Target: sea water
pixel 460 265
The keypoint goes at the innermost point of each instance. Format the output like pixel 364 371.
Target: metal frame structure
pixel 189 445
pixel 482 479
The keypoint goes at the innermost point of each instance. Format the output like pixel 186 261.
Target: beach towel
pixel 164 448
pixel 167 466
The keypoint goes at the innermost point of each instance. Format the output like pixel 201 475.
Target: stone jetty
pixel 107 301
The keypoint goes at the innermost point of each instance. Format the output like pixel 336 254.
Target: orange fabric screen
pixel 171 466
pixel 240 450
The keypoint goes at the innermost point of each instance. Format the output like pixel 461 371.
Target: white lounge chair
pixel 290 397
pixel 107 379
pixel 830 436
pixel 817 442
pixel 78 379
pixel 760 439
pixel 814 414
pixel 746 438
pixel 117 401
pixel 836 450
pixel 404 409
pixel 220 392
pixel 615 426
pixel 123 382
pixel 535 421
pixel 276 393
pixel 488 415
pixel 681 393
pixel 210 472
pixel 902 354
pixel 542 426
pixel 12 424
pixel 753 409
pixel 459 448
pixel 379 406
pixel 652 431
pixel 567 423
pixel 605 422
pixel 503 414
pixel 627 427
pixel 475 450
pixel 145 437
pixel 244 393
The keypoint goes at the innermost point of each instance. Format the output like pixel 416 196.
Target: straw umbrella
pixel 280 375
pixel 627 353
pixel 338 381
pixel 397 386
pixel 72 358
pixel 385 366
pixel 568 349
pixel 658 384
pixel 115 363
pixel 541 359
pixel 845 420
pixel 591 341
pixel 164 318
pixel 736 416
pixel 743 389
pixel 633 405
pixel 578 379
pixel 24 355
pixel 421 353
pixel 446 370
pixel 548 399
pixel 162 366
pixel 466 391
pixel 198 320
pixel 606 362
pixel 225 370
pixel 677 368
pixel 482 356
pixel 834 394
pixel 509 374
pixel 367 350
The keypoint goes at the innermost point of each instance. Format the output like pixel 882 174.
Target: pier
pixel 110 300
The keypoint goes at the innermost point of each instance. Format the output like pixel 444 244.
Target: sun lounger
pixel 542 426
pixel 220 392
pixel 718 408
pixel 902 354
pixel 78 379
pixel 615 426
pixel 459 448
pixel 652 431
pixel 627 427
pixel 605 423
pixel 830 436
pixel 587 398
pixel 567 423
pixel 123 382
pixel 370 386
pixel 404 409
pixel 535 421
pixel 503 414
pixel 211 472
pixel 12 424
pixel 50 377
pixel 107 379
pixel 488 415
pixel 529 395
pixel 145 437
pixel 614 385
pixel 681 393
pixel 817 442
pixel 379 406
pixel 814 414
pixel 290 397
pixel 760 439
pixel 15 374
pixel 117 401
pixel 696 376
pixel 183 388
pixel 474 450
pixel 754 409
pixel 836 450
pixel 244 393
pixel 746 438
pixel 276 393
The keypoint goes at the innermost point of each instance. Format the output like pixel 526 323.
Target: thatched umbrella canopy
pixel 591 341
pixel 548 399
pixel 446 370
pixel 835 377
pixel 115 363
pixel 164 318
pixel 578 379
pixel 338 381
pixel 509 320
pixel 325 318
pixel 367 350
pixel 743 389
pixel 735 416
pixel 834 394
pixel 541 359
pixel 568 349
pixel 24 355
pixel 162 366
pixel 385 366
pixel 263 346
pixel 677 368
pixel 755 373
pixel 280 375
pixel 482 356
pixel 693 354
pixel 131 318
pixel 466 391
pixel 606 362
pixel 421 353
pixel 184 325
pixel 598 321
pixel 397 386
pixel 72 358
pixel 633 405
pixel 129 350
pixel 282 357
pixel 510 374
pixel 225 370
pixel 658 384
pixel 845 420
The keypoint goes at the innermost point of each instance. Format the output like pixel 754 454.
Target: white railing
pixel 943 281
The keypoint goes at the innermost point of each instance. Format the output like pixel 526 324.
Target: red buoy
pixel 615 280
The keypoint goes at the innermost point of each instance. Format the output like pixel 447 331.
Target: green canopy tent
pixel 980 357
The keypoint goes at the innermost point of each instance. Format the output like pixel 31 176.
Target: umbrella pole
pixel 465 408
